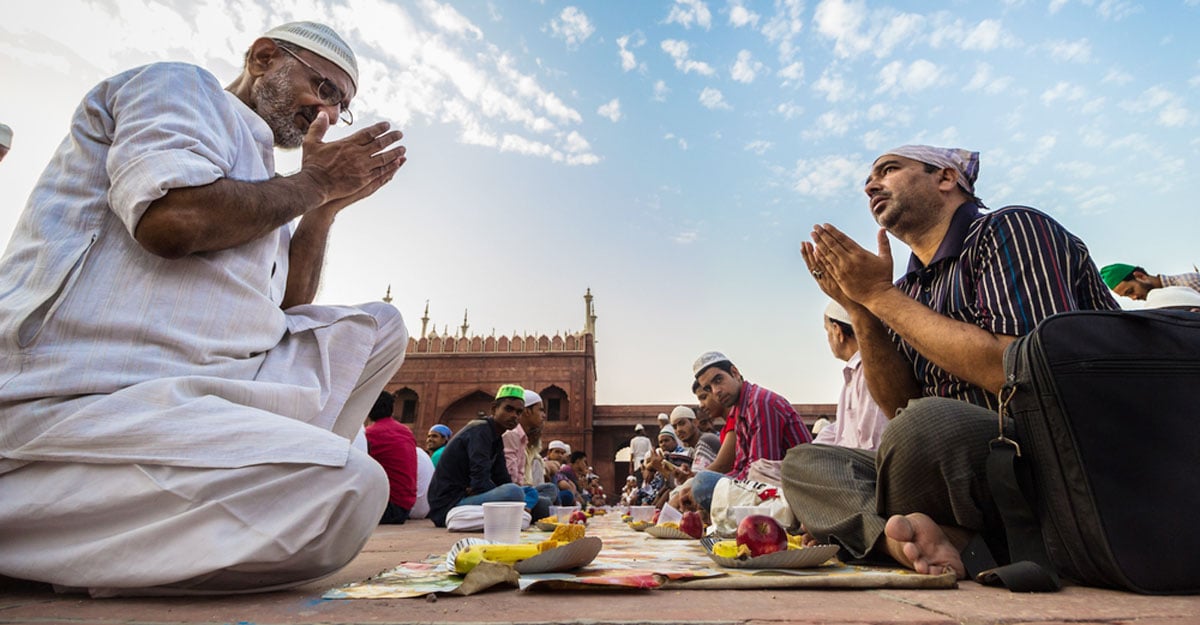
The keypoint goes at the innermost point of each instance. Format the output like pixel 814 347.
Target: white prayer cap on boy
pixel 532 398
pixel 319 39
pixel 682 412
pixel 559 445
pixel 835 311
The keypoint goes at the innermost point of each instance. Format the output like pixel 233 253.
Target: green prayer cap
pixel 1115 273
pixel 511 390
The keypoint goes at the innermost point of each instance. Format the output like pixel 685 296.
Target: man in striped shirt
pixel 766 425
pixel 932 347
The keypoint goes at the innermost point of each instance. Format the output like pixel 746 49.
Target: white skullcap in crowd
pixel 532 398
pixel 835 311
pixel 559 445
pixel 5 136
pixel 706 360
pixel 321 40
pixel 682 412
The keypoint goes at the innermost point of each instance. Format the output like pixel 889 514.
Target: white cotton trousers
pixel 153 529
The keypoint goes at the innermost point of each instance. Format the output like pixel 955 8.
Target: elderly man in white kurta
pixel 175 414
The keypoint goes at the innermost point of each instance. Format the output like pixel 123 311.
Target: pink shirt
pixel 766 427
pixel 860 422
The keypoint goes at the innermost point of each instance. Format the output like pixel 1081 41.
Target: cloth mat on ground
pixel 629 560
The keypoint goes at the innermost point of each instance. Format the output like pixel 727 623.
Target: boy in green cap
pixel 1133 282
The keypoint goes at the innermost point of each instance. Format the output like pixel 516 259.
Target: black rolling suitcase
pixel 1102 482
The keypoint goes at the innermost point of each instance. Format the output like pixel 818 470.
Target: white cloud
pixel 827 176
pixel 983 80
pixel 759 147
pixel 856 30
pixel 783 28
pixel 611 110
pixel 792 75
pixel 1117 77
pixel 1063 91
pixel 1114 10
pixel 680 141
pixel 450 21
pixel 831 124
pixel 1056 5
pixel 1167 107
pixel 987 35
pixel 713 99
pixel 745 68
pixel 573 26
pixel 688 12
pixel 660 91
pixel 628 60
pixel 740 16
pixel 833 86
pixel 889 115
pixel 680 51
pixel 873 140
pixel 917 76
pixel 1079 51
pixel 686 237
pixel 789 110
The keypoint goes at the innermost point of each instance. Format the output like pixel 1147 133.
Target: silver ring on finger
pixel 818 274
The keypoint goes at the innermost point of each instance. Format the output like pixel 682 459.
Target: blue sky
pixel 671 155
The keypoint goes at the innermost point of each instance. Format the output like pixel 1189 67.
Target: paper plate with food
pixel 547 524
pixel 762 543
pixel 669 530
pixel 568 548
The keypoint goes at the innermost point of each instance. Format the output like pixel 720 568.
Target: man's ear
pixel 947 179
pixel 1139 275
pixel 733 370
pixel 262 52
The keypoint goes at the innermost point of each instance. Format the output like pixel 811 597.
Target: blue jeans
pixel 703 484
pixel 503 492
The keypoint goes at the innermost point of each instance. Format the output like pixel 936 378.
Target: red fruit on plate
pixel 761 534
pixel 579 517
pixel 691 524
pixel 655 519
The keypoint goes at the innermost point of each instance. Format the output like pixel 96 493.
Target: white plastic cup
pixel 564 513
pixel 641 514
pixel 502 521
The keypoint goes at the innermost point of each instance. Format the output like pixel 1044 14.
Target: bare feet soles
pixel 916 541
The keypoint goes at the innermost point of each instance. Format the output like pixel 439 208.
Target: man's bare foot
pixel 919 543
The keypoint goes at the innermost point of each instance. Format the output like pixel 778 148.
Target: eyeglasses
pixel 327 91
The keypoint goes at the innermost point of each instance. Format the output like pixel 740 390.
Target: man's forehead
pixel 903 160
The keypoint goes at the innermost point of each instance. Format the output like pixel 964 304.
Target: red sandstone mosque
pixel 450 378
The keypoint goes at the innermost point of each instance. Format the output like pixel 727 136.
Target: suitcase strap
pixel 1009 479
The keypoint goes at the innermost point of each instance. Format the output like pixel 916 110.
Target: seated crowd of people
pixel 164 264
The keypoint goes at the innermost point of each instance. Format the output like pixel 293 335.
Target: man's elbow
pixel 162 234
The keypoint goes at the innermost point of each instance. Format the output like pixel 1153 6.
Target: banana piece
pixel 472 555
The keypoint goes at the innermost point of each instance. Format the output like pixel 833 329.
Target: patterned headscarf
pixel 965 162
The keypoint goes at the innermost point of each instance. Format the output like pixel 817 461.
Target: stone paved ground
pixel 22 602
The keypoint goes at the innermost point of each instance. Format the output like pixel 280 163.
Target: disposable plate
pixel 572 555
pixel 807 557
pixel 659 531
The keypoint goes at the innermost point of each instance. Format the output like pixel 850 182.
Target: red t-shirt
pixel 394 447
pixel 730 423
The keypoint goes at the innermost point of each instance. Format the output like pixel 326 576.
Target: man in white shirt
pixel 860 422
pixel 201 442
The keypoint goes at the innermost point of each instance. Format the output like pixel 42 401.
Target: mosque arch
pixel 466 409
pixel 407 405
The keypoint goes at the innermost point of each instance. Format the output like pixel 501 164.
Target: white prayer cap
pixel 682 412
pixel 319 39
pixel 663 418
pixel 532 398
pixel 5 136
pixel 1173 297
pixel 559 445
pixel 835 311
pixel 706 360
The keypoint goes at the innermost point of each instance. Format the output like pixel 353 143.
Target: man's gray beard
pixel 275 102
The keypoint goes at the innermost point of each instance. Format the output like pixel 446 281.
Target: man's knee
pixel 508 492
